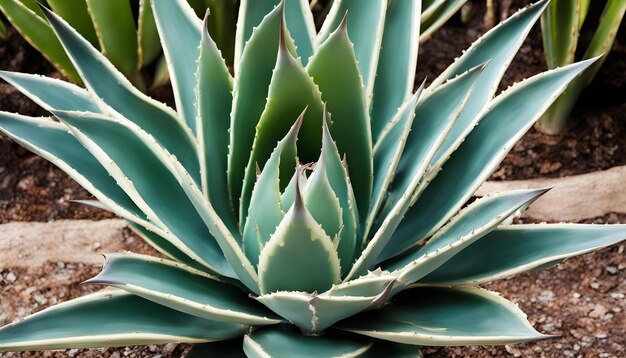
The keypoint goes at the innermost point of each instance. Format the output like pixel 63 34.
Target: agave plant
pixel 110 27
pixel 367 248
pixel 560 27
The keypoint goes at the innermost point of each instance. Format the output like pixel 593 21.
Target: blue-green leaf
pixel 182 288
pixel 283 341
pixel 180 33
pixel 511 114
pixel 335 70
pixel 113 92
pixel 299 256
pixel 251 14
pixel 395 75
pixel 432 316
pixel 301 26
pixel 365 27
pixel 519 248
pixel 214 99
pixel 134 161
pixel 290 92
pixel 266 211
pixel 110 318
pixel 496 48
pixel 470 225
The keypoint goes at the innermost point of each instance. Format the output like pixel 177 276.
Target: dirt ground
pixel 582 300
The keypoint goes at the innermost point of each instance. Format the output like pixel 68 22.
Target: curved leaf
pixel 252 81
pixel 299 256
pixel 365 26
pixel 76 14
pixel 282 341
pixel 252 13
pixel 301 26
pixel 439 16
pixel 40 35
pixel 519 248
pixel 115 94
pixel 265 210
pixel 114 23
pixel 132 159
pixel 214 100
pixel 395 75
pixel 291 90
pixel 181 288
pixel 180 33
pixel 470 225
pixel 147 35
pixel 51 93
pixel 432 316
pixel 110 318
pixel 335 70
pixel 511 114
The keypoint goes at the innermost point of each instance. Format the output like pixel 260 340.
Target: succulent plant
pixel 110 27
pixel 560 27
pixel 367 248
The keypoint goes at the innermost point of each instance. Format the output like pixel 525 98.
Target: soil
pixel 582 300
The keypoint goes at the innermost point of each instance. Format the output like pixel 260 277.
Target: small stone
pixel 597 311
pixel 512 350
pixel 115 354
pixel 600 335
pixel 10 277
pixel 60 265
pixel 576 295
pixel 594 285
pixel 617 295
pixel 72 352
pixel 39 298
pixel 546 296
pixel 96 245
pixel 26 183
pixel 611 270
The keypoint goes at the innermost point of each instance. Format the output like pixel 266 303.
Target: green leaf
pixel 131 158
pixel 110 318
pixel 51 93
pixel 252 80
pixel 301 26
pixel 387 155
pixel 223 26
pixel 467 227
pixel 496 48
pixel 252 14
pixel 335 70
pixel 51 140
pixel 76 14
pixel 214 99
pixel 511 114
pixel 182 288
pixel 291 90
pixel 40 35
pixel 282 341
pixel 372 284
pixel 559 28
pixel 224 349
pixel 180 33
pixel 433 316
pixel 519 248
pixel 434 117
pixel 149 45
pixel 395 75
pixel 115 24
pixel 365 27
pixel 113 92
pixel 299 256
pixel 339 181
pixel 289 194
pixel 439 16
pixel 315 313
pixel 265 211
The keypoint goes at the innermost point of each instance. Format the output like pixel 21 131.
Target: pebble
pixel 597 311
pixel 60 264
pixel 617 295
pixel 611 270
pixel 600 335
pixel 39 298
pixel 10 277
pixel 546 296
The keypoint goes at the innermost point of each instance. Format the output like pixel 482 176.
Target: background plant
pixel 123 30
pixel 560 26
pixel 374 249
